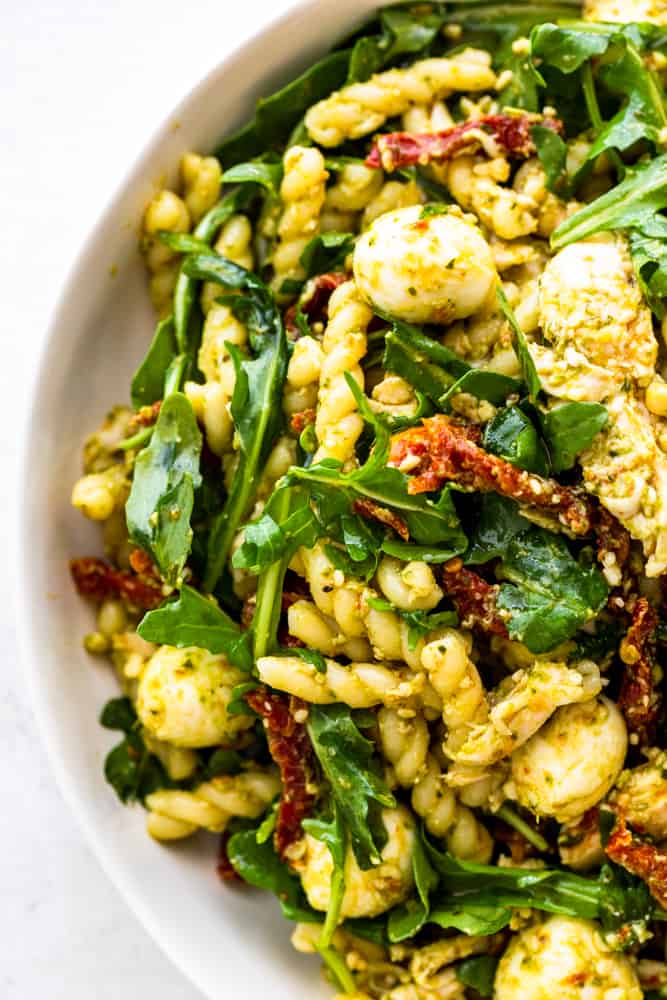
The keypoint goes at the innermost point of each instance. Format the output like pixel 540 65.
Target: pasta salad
pixel 385 524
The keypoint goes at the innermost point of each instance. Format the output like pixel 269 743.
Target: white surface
pixel 83 86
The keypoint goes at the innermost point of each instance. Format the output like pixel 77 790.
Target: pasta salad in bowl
pixel 385 524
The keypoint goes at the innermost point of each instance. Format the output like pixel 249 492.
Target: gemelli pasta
pixel 384 528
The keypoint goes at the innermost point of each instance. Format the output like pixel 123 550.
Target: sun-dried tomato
pixel 315 304
pixel 508 133
pixel 645 860
pixel 144 417
pixel 441 451
pixel 291 749
pixel 374 512
pixel 639 699
pixel 96 579
pixel 304 418
pixel 475 600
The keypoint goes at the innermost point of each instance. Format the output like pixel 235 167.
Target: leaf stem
pixel 269 593
pixel 337 967
pixel 593 108
pixel 507 814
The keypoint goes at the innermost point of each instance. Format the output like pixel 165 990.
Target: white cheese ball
pixel 431 269
pixel 183 696
pixel 570 764
pixel 367 893
pixel 595 320
pixel 564 958
pixel 623 11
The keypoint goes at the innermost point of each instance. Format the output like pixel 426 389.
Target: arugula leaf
pixel 266 172
pixel 148 380
pixel 331 832
pixel 498 521
pixel 424 363
pixel 363 569
pixel 632 204
pixel 478 973
pixel 648 249
pixel 550 594
pixel 429 522
pixel 528 369
pixel 568 47
pixel 166 474
pixel 223 761
pixel 484 385
pixel 420 622
pixel 425 553
pixel 552 154
pixel 346 759
pixel 195 620
pixel 269 538
pixel 326 252
pixel 512 435
pixel 256 403
pixel 570 429
pixel 276 115
pixel 409 918
pixel 129 768
pixel 259 865
pixel 405 31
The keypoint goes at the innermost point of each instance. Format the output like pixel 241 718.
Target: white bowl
pixel 229 941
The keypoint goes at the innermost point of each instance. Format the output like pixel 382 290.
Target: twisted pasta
pixel 361 108
pixel 302 192
pixel 359 685
pixel 210 400
pixel 338 423
pixel 355 186
pixel 166 212
pixel 173 814
pixel 202 179
pixel 391 196
pixel 405 741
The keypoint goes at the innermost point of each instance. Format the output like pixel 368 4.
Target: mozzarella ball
pixel 623 11
pixel 183 696
pixel 592 313
pixel 431 269
pixel 565 958
pixel 570 764
pixel 367 893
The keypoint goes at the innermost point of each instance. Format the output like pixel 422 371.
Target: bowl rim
pixel 24 595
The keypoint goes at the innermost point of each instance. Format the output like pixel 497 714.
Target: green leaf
pixel 568 47
pixel 470 918
pixel 346 759
pixel 429 522
pixel 528 369
pixel 272 537
pixel 513 436
pixel 332 832
pixel 420 622
pixel 166 474
pixel 550 594
pixel 276 116
pixel 195 620
pixel 552 154
pixel 366 59
pixel 326 252
pixel 223 761
pixel 571 429
pixel 648 248
pixel 406 920
pixel 424 553
pixel 257 401
pixel 259 865
pixel 267 173
pixel 148 380
pixel 478 973
pixel 631 204
pixel 119 714
pixel 484 385
pixel 129 768
pixel 424 363
pixel 498 521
